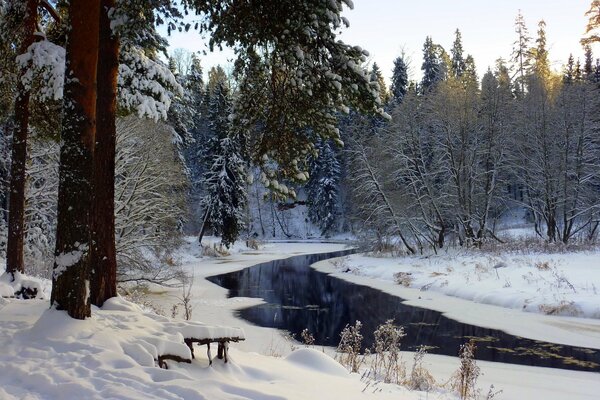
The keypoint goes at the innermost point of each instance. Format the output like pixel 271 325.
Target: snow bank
pixel 565 284
pixel 24 286
pixel 112 356
pixel 317 360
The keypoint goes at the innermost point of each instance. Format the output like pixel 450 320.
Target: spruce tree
pixel 588 64
pixel 540 62
pixel 432 65
pixel 399 80
pixel 323 188
pixel 225 179
pixel 520 55
pixel 569 73
pixel 377 76
pixel 458 62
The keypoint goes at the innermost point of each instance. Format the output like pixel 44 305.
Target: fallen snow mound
pixel 317 360
pixel 24 286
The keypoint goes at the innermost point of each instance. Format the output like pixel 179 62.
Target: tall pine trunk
pixel 103 254
pixel 16 207
pixel 71 277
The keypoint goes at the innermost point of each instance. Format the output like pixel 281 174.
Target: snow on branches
pixel 146 86
pixel 44 61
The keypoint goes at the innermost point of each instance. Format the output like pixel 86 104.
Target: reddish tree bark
pixel 103 255
pixel 70 280
pixel 16 206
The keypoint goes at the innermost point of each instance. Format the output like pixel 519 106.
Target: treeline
pixel 460 153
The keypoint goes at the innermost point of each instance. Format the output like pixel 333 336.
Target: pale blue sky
pixel 386 27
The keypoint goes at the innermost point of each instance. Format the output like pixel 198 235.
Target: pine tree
pixel 569 74
pixel 432 65
pixel 520 54
pixel 377 76
pixel 458 62
pixel 399 80
pixel 540 62
pixel 71 276
pixel 25 11
pixel 588 64
pixel 311 75
pixel 469 76
pixel 323 188
pixel 225 180
pixel 592 30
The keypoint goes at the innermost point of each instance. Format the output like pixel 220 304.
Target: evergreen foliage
pixel 399 80
pixel 225 180
pixel 458 62
pixel 323 187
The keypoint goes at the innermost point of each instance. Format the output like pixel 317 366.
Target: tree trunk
pixel 16 207
pixel 71 277
pixel 204 224
pixel 103 258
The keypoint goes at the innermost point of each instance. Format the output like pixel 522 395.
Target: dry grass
pixel 403 278
pixel 542 266
pixel 562 308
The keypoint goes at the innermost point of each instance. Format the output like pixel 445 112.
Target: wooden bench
pixel 222 347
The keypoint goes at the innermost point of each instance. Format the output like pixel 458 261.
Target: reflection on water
pixel 298 297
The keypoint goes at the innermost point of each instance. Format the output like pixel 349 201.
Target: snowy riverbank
pixel 565 284
pixel 469 289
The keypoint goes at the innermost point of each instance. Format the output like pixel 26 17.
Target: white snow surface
pixel 112 355
pixel 8 286
pixel 557 284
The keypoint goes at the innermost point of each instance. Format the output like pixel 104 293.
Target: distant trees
pixel 460 152
pixel 399 85
pixel 323 187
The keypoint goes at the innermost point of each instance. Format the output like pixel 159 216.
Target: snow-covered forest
pixel 132 175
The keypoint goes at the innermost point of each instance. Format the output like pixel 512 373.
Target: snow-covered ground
pixel 555 284
pixel 49 356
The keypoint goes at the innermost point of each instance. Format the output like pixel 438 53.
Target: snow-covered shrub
pixel 385 364
pixel 464 380
pixel 307 338
pixel 149 203
pixel 403 278
pixel 348 350
pixel 420 378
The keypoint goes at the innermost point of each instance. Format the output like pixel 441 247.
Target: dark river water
pixel 299 297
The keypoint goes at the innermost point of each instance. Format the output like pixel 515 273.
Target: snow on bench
pixel 196 332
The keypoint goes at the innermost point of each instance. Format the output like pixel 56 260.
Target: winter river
pixel 298 297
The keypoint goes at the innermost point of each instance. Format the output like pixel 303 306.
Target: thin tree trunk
pixel 103 258
pixel 204 224
pixel 71 277
pixel 16 206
